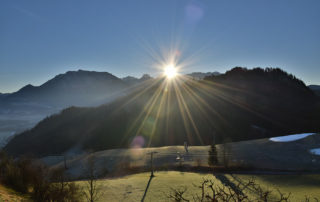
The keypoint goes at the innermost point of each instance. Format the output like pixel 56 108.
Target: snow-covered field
pixel 290 138
pixel 315 151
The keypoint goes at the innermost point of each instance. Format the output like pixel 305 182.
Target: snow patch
pixel 315 151
pixel 290 138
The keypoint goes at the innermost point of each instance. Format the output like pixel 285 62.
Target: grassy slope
pixel 111 159
pixel 10 195
pixel 260 153
pixel 132 187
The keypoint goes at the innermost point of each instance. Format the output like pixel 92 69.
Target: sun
pixel 170 71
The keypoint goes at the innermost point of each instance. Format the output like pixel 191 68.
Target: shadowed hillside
pixel 238 105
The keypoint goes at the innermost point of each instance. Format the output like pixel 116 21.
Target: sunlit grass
pixel 133 187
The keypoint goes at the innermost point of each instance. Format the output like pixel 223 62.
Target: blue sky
pixel 39 39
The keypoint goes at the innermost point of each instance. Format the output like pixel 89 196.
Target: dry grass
pixel 8 195
pixel 132 187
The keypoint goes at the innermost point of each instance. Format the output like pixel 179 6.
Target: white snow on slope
pixel 290 138
pixel 315 151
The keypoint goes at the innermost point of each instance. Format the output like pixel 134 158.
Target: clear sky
pixel 39 39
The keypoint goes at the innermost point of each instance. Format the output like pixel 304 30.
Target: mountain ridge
pixel 30 104
pixel 133 80
pixel 202 75
pixel 238 105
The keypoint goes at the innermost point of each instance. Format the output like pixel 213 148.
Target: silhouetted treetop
pixel 257 73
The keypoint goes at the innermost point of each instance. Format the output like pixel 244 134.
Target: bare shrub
pixel 92 191
pixel 221 193
pixel 62 190
pixel 177 194
pixel 29 176
pixel 16 174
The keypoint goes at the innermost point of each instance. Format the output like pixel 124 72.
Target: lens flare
pixel 170 71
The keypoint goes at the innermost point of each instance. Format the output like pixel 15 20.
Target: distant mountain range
pixel 241 104
pixel 79 88
pixel 74 88
pixel 31 104
pixel 202 75
pixel 133 80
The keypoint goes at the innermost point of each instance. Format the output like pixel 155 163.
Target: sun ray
pixel 182 105
pixel 147 108
pixel 201 104
pixel 150 108
pixel 210 91
pixel 157 116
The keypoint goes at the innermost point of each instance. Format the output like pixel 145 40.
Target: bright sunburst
pixel 170 71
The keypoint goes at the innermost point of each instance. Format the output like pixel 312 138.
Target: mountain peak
pixel 79 88
pixel 81 76
pixel 133 80
pixel 145 77
pixel 27 87
pixel 81 72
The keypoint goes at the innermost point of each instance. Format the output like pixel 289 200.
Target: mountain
pixel 202 75
pixel 80 88
pixel 239 105
pixel 315 88
pixel 31 103
pixel 130 80
pixel 73 88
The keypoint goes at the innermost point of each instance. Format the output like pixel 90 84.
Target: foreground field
pixel 299 186
pixel 135 187
pixel 140 187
